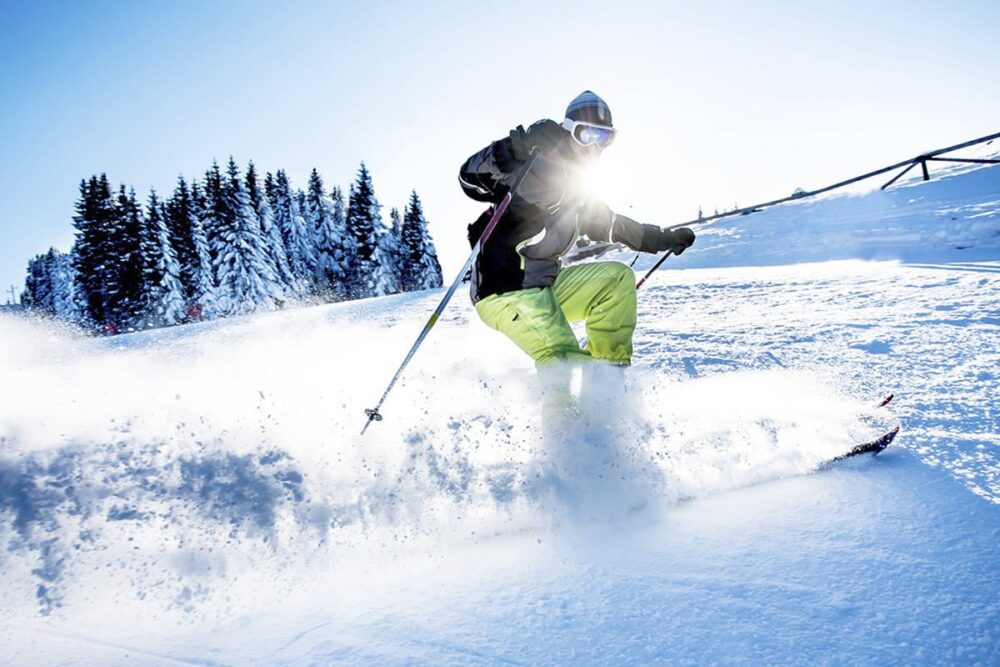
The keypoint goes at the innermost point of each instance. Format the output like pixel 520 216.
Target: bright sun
pixel 600 180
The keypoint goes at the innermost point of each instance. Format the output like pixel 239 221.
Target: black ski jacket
pixel 547 215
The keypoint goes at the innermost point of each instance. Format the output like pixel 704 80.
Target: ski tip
pixel 885 441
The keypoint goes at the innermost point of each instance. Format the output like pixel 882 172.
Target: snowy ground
pixel 201 495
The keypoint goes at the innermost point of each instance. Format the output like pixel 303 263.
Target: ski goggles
pixel 587 134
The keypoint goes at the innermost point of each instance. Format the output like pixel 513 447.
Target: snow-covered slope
pixel 952 218
pixel 201 494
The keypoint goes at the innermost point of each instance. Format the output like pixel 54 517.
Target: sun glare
pixel 600 180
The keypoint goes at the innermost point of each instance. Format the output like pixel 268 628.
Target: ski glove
pixel 543 135
pixel 655 239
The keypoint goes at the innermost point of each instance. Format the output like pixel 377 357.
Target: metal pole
pixel 373 413
pixel 970 160
pixel 899 175
pixel 819 191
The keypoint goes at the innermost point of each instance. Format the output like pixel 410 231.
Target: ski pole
pixel 373 413
pixel 660 261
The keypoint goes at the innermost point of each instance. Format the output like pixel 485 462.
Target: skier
pixel 518 284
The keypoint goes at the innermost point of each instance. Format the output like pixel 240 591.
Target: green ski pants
pixel 537 318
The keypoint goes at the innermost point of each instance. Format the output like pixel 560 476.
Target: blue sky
pixel 716 102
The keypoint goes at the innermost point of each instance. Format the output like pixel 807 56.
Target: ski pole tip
pixel 373 416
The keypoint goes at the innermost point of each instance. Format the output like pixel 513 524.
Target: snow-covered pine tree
pixel 396 226
pixel 64 290
pixel 348 249
pixel 420 266
pixel 129 301
pixel 48 287
pixel 386 259
pixel 164 293
pixel 212 211
pixel 268 186
pixel 204 293
pixel 325 220
pixel 86 253
pixel 290 221
pixel 246 281
pixel 179 215
pixel 433 276
pixel 396 231
pixel 38 293
pixel 274 245
pixel 364 221
pixel 300 201
pixel 93 251
pixel 123 240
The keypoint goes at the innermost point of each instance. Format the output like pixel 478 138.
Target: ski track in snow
pixel 201 495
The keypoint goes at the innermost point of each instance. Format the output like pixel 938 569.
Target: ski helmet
pixel 588 119
pixel 587 107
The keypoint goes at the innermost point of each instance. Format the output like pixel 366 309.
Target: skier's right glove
pixel 655 239
pixel 543 135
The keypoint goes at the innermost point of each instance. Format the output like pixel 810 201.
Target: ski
pixel 873 447
pixel 876 445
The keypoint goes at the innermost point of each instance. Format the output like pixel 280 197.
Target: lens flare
pixel 594 179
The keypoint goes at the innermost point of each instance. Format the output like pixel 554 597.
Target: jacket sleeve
pixel 484 176
pixel 488 175
pixel 600 223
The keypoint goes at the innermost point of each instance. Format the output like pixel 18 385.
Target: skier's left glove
pixel 543 135
pixel 655 239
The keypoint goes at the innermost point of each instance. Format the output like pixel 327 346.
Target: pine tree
pixel 129 300
pixel 49 288
pixel 94 252
pixel 288 218
pixel 164 293
pixel 269 186
pixel 395 225
pixel 204 293
pixel 433 276
pixel 122 286
pixel 85 251
pixel 364 222
pixel 420 267
pixel 300 200
pixel 325 220
pixel 246 283
pixel 38 295
pixel 275 253
pixel 213 210
pixel 386 259
pixel 64 290
pixel 396 230
pixel 179 216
